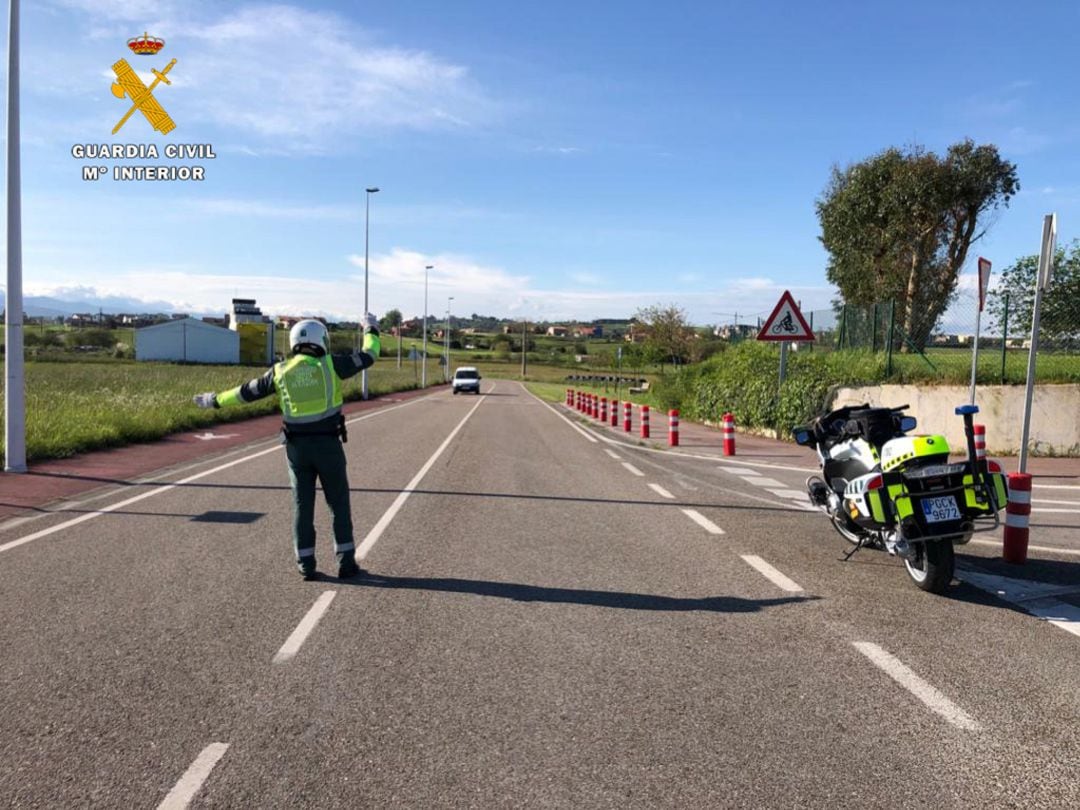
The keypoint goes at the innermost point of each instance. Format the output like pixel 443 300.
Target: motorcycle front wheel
pixel 932 565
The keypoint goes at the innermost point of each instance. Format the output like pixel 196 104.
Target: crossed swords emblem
pixel 128 83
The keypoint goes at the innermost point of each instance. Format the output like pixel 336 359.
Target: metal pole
pixel 783 360
pixel 975 354
pixel 1046 260
pixel 524 345
pixel 446 367
pixel 1004 337
pixel 888 348
pixel 14 392
pixel 873 333
pixel 423 364
pixel 367 217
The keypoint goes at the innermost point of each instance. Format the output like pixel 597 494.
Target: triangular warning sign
pixel 786 322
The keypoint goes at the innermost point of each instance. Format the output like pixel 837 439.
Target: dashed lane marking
pixel 738 470
pixel 194 777
pixel 771 574
pixel 1037 598
pixel 789 493
pixel 613 454
pixel 702 521
pixel 298 636
pixel 903 675
pixel 766 482
pixel 633 469
pixel 659 490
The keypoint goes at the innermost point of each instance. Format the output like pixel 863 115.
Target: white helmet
pixel 309 333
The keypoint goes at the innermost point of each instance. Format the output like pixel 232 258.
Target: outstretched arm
pixel 348 365
pixel 248 392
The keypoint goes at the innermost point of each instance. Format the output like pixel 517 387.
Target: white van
pixel 466 378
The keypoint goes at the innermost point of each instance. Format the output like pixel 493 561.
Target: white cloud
pixel 588 279
pixel 254 208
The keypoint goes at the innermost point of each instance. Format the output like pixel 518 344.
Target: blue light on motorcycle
pixel 907 423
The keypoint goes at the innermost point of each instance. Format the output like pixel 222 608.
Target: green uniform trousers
pixel 322 458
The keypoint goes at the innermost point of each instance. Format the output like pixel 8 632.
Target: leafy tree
pixel 101 338
pixel 899 225
pixel 1059 320
pixel 391 319
pixel 669 333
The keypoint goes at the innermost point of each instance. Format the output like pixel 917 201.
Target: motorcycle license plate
pixel 939 509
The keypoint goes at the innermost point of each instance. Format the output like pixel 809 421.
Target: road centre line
pixel 702 521
pixel 903 675
pixel 633 469
pixel 298 636
pixel 771 574
pixel 374 535
pixel 67 524
pixel 613 454
pixel 663 493
pixel 194 777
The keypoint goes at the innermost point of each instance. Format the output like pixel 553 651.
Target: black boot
pixel 306 567
pixel 347 568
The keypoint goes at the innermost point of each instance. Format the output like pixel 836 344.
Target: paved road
pixel 551 620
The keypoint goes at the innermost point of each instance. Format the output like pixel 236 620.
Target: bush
pixel 99 338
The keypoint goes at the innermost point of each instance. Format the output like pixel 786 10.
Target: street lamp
pixel 367 218
pixel 446 368
pixel 423 372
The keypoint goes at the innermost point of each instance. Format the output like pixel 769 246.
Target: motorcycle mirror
pixel 907 423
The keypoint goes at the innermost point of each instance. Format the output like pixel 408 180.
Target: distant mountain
pixel 38 306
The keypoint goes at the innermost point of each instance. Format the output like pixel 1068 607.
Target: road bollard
pixel 729 434
pixel 594 406
pixel 577 401
pixel 673 428
pixel 1017 513
pixel 980 442
pixel 644 421
pixel 603 410
pixel 628 410
pixel 614 413
pixel 569 397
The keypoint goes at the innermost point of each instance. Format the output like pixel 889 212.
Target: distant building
pixel 557 331
pixel 189 340
pixel 245 311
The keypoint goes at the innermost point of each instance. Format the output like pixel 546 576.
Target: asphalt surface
pixel 555 616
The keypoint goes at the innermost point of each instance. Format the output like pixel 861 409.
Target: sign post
pixel 785 324
pixel 984 280
pixel 1046 268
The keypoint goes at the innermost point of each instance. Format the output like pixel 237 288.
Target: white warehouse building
pixel 187 340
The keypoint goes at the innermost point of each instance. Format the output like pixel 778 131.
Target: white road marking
pixel 899 672
pixel 766 482
pixel 1062 503
pixel 1055 486
pixel 702 521
pixel 192 780
pixel 298 636
pixel 632 468
pixel 739 470
pixel 1037 598
pixel 772 574
pixel 1040 510
pixel 555 411
pixel 67 524
pixel 789 493
pixel 659 490
pixel 374 535
pixel 1053 549
pixel 612 453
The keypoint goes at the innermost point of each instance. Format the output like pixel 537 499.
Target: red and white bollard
pixel 577 401
pixel 980 442
pixel 614 413
pixel 603 410
pixel 729 434
pixel 1017 512
pixel 569 397
pixel 644 421
pixel 673 428
pixel 627 414
pixel 594 406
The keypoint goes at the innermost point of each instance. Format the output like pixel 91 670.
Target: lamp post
pixel 524 345
pixel 446 367
pixel 423 366
pixel 367 219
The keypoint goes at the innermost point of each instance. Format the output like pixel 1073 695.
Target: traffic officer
pixel 308 385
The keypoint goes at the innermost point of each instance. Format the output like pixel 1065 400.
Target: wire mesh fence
pixel 922 344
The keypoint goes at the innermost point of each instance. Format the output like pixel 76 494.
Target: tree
pixel 669 333
pixel 1059 320
pixel 899 226
pixel 391 319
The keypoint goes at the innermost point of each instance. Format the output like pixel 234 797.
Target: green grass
pixel 74 407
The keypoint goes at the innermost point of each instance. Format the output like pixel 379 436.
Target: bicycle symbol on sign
pixel 785 324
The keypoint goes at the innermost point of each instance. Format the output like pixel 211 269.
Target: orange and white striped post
pixel 627 414
pixel 729 434
pixel 1017 514
pixel 644 421
pixel 980 442
pixel 673 428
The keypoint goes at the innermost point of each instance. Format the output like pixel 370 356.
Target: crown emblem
pixel 146 45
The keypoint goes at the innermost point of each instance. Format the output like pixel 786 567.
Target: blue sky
pixel 558 160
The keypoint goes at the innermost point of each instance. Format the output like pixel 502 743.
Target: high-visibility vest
pixel 308 389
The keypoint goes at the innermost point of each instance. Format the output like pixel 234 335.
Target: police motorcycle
pixel 885 489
